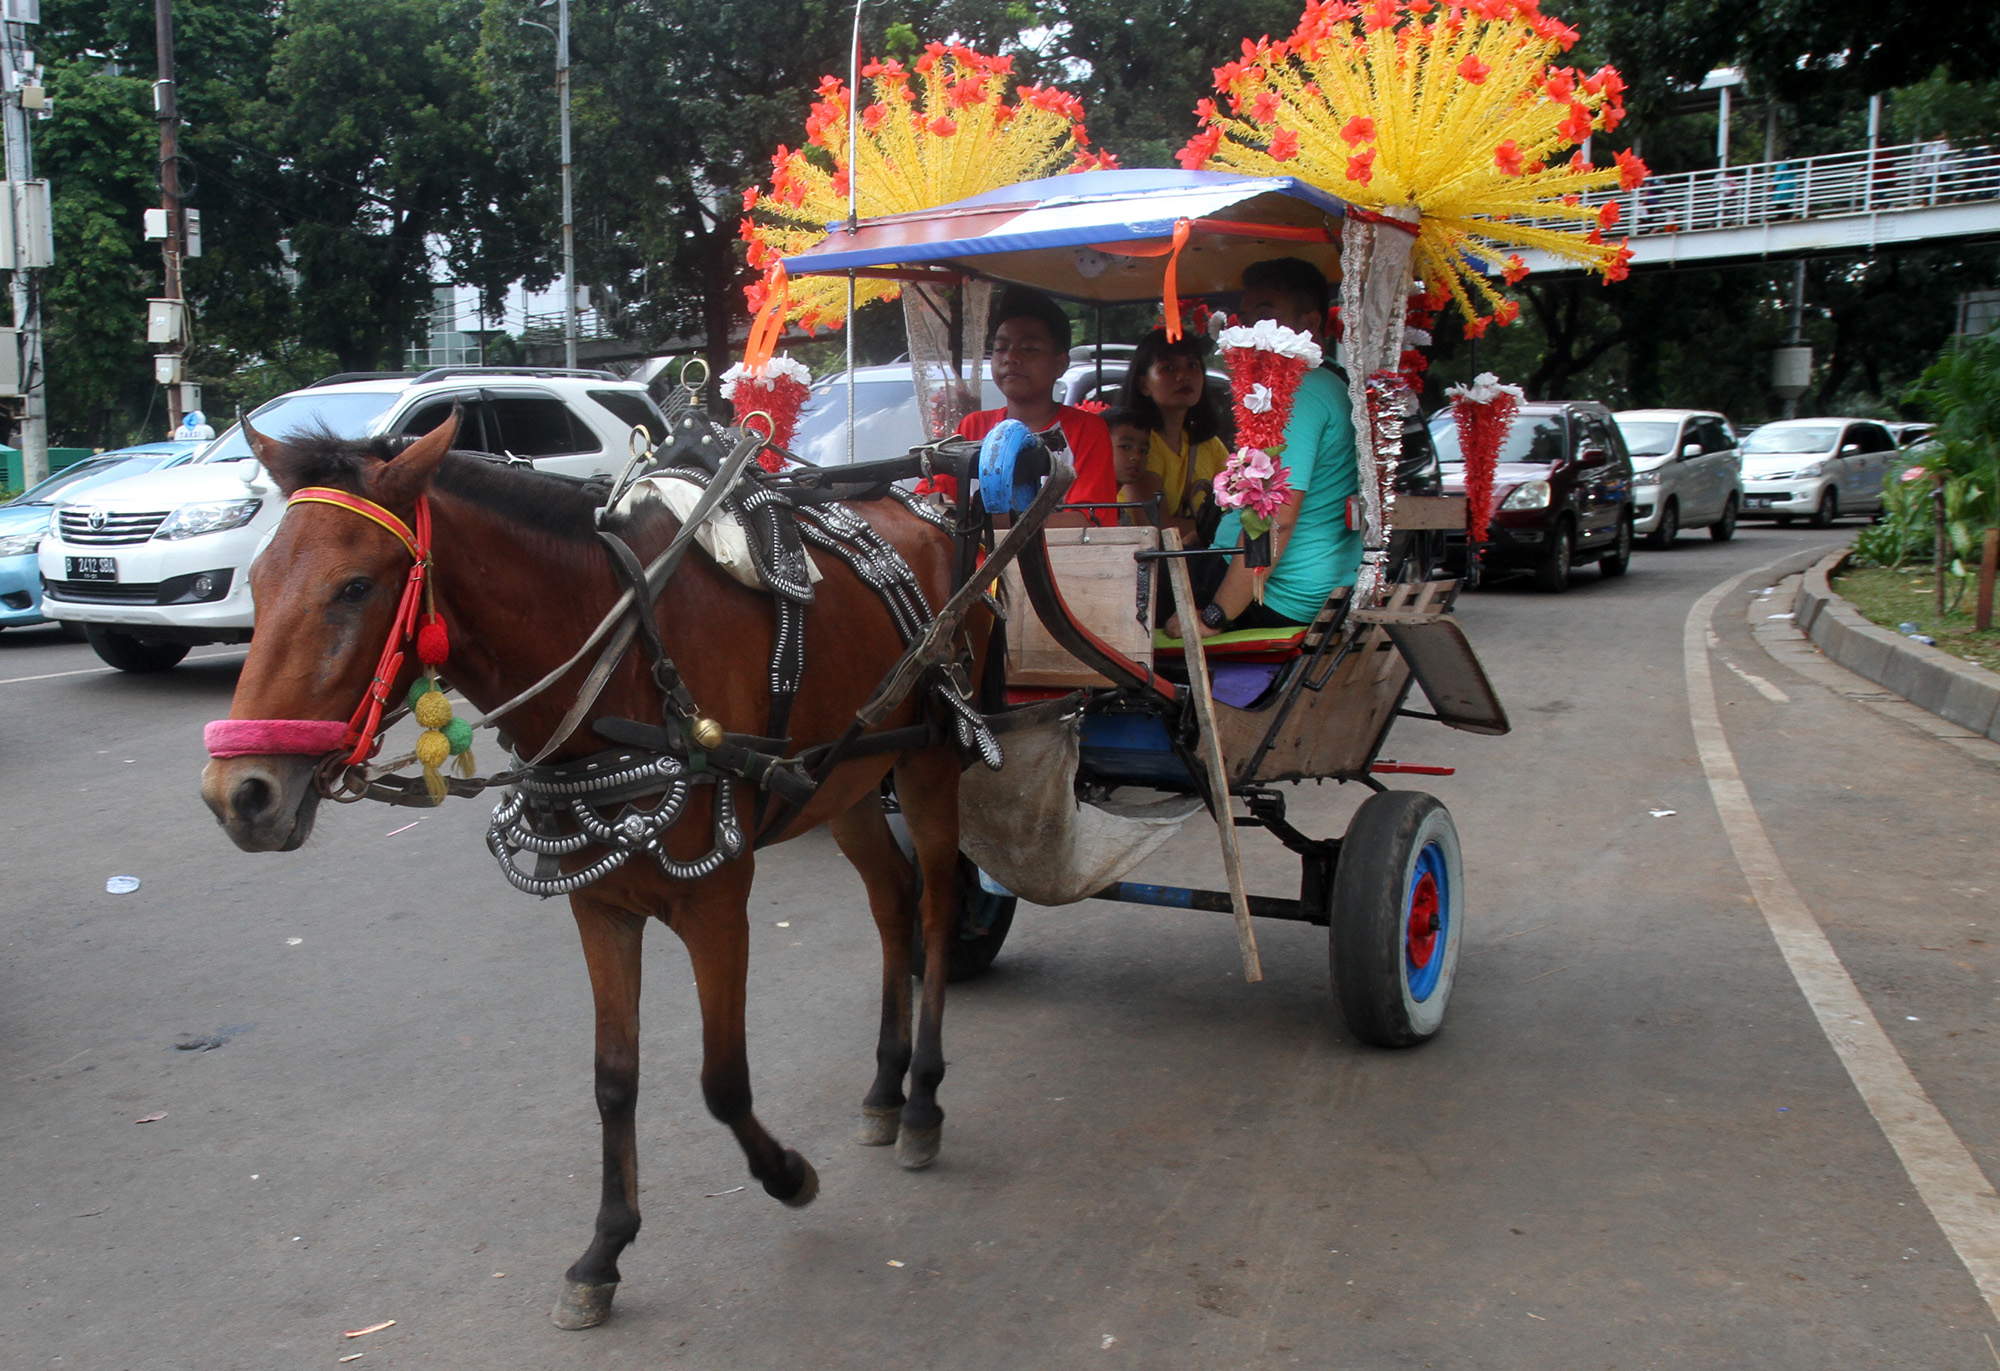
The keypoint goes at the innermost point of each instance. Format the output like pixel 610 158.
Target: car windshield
pixel 1648 437
pixel 346 416
pixel 1773 439
pixel 94 471
pixel 1533 438
pixel 885 418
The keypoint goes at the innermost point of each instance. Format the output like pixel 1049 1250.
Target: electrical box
pixel 164 319
pixel 190 396
pixel 33 231
pixel 22 11
pixel 169 368
pixel 191 233
pixel 156 225
pixel 34 96
pixel 1791 372
pixel 10 362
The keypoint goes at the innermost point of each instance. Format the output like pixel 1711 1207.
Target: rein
pixel 248 737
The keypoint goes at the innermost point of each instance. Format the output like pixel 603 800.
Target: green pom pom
pixel 419 687
pixel 459 734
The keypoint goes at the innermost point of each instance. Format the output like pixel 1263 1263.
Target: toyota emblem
pixel 95 519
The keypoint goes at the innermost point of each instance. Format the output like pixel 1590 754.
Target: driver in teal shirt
pixel 1313 551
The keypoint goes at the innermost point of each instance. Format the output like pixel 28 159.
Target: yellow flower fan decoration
pixel 938 131
pixel 1461 111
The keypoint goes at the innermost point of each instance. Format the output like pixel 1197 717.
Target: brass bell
pixel 707 734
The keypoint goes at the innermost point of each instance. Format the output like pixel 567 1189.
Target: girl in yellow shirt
pixel 1167 390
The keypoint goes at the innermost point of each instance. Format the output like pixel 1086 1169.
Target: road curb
pixel 1958 691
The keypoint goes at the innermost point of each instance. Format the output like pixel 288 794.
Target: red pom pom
pixel 433 643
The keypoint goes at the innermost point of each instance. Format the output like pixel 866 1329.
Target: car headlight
pixel 1809 469
pixel 1645 478
pixel 20 544
pixel 191 521
pixel 1528 495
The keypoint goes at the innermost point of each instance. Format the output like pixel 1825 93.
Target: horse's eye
pixel 356 590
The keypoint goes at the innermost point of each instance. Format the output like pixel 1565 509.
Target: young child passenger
pixel 1130 439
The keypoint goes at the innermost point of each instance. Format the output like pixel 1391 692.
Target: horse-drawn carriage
pixel 837 631
pixel 1119 707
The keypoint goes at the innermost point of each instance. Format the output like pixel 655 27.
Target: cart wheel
pixel 983 921
pixel 1398 918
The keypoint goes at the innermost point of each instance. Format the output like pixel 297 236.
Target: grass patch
pixel 1891 598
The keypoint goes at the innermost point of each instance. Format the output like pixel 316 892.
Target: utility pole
pixel 170 367
pixel 569 221
pixel 27 203
pixel 561 32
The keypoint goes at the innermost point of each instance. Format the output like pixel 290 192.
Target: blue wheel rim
pixel 1429 890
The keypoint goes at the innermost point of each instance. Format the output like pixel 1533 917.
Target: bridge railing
pixel 1879 180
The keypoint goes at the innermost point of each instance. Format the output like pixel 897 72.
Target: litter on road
pixel 404 829
pixel 121 885
pixel 371 1328
pixel 1662 813
pixel 151 1118
pixel 353 1356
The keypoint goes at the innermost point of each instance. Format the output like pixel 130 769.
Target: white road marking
pixel 1757 683
pixel 1946 1177
pixel 93 671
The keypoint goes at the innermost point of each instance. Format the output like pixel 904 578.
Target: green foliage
pixel 1903 535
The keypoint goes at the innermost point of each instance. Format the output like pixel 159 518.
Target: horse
pixel 520 578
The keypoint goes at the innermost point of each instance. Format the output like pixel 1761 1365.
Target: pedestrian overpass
pixel 1838 203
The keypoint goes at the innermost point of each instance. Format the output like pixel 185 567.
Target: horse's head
pixel 327 590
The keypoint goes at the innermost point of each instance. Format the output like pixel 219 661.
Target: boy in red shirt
pixel 1031 338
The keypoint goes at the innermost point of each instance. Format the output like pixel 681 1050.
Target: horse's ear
pixel 278 459
pixel 405 476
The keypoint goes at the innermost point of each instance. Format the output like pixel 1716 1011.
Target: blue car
pixel 25 519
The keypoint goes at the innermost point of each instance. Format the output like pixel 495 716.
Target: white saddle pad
pixel 720 536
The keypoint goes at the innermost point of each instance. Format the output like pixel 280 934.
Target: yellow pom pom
pixel 433 710
pixel 432 748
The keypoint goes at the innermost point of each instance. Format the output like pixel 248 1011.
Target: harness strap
pixel 369 510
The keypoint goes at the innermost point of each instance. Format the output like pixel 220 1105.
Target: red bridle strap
pixel 238 737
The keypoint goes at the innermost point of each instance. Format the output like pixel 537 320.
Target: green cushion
pixel 1273 638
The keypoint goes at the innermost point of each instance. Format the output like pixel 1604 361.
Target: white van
pixel 156 564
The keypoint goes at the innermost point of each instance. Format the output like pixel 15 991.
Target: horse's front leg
pixel 612 939
pixel 713 918
pixel 927 789
pixel 866 841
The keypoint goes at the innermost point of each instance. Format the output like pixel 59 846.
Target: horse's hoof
pixel 803 1179
pixel 917 1148
pixel 582 1306
pixel 879 1124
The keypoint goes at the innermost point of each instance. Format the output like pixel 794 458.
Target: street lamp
pixel 561 32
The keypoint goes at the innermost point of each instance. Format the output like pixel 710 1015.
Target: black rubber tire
pixel 73 630
pixel 127 653
pixel 983 921
pixel 1367 936
pixel 1662 538
pixel 1723 529
pixel 1553 569
pixel 1828 511
pixel 1618 561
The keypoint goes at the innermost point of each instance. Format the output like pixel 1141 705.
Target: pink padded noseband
pixel 259 737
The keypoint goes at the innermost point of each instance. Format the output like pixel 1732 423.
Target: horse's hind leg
pixel 865 840
pixel 612 939
pixel 713 920
pixel 927 786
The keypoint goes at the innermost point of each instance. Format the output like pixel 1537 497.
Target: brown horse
pixel 521 579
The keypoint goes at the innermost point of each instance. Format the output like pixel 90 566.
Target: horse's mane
pixel 547 503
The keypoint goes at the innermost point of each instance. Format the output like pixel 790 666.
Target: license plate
pixel 1760 502
pixel 91 568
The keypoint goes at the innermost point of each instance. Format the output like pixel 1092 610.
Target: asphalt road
pixel 1631 1146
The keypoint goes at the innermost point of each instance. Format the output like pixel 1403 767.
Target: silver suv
pixel 156 564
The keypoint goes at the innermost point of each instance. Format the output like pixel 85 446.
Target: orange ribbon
pixel 1171 301
pixel 770 321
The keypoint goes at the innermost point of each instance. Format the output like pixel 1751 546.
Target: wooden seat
pixel 1108 592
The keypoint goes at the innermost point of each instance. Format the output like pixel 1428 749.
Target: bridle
pixel 358 736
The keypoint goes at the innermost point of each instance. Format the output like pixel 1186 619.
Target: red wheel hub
pixel 1421 937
